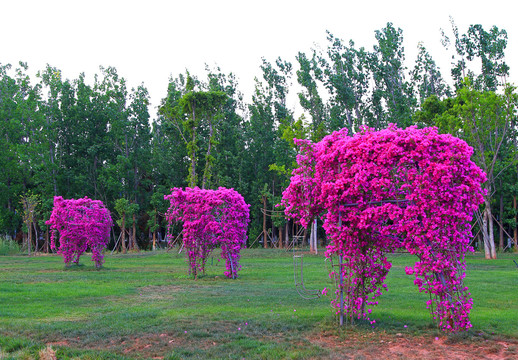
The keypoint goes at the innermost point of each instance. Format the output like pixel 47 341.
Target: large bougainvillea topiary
pixel 81 223
pixel 379 191
pixel 210 218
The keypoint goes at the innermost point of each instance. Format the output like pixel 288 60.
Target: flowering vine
pixel 81 223
pixel 384 190
pixel 210 218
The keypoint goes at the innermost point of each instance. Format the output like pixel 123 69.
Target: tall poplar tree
pixel 393 98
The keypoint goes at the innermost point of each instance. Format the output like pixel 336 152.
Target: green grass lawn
pixel 145 305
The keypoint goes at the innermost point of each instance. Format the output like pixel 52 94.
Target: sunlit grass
pixel 94 314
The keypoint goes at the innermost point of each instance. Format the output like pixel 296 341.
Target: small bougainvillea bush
pixel 210 218
pixel 81 223
pixel 379 191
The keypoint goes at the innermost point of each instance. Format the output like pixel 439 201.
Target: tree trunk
pixel 94 175
pixel 54 182
pixel 311 235
pixel 304 238
pixel 206 172
pixel 192 183
pixel 279 244
pixel 315 235
pixel 501 233
pixel 36 237
pixel 29 239
pixel 488 232
pixel 286 241
pixel 516 226
pixel 265 234
pixel 491 233
pixel 134 245
pixel 349 120
pixel 123 234
pixel 130 238
pixel 485 235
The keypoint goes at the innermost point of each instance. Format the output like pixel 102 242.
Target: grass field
pixel 145 306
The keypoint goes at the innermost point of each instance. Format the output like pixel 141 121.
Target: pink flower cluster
pixel 210 218
pixel 384 190
pixel 81 223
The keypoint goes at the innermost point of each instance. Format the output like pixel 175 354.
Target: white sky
pixel 147 41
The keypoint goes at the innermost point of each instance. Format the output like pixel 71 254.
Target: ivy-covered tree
pixel 196 115
pixel 229 165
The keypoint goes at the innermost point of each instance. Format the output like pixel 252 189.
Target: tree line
pixel 74 139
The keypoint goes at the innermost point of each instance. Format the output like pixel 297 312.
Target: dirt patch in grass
pixel 142 346
pixel 350 345
pixel 150 346
pixel 154 346
pixel 158 345
pixel 360 346
pixel 403 346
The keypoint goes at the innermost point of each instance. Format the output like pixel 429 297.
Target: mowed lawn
pixel 145 305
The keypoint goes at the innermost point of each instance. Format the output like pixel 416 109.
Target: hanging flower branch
pixel 81 223
pixel 384 190
pixel 210 218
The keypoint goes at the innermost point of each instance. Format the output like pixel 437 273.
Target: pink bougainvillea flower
pixel 379 191
pixel 324 292
pixel 82 224
pixel 210 218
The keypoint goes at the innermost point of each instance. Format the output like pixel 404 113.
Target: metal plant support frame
pixel 229 256
pixel 314 294
pixel 400 202
pixel 298 267
pixel 299 285
pixel 341 264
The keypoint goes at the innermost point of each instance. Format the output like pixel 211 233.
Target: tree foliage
pixel 99 138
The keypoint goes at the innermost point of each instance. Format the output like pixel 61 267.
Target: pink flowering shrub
pixel 81 223
pixel 384 190
pixel 210 218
